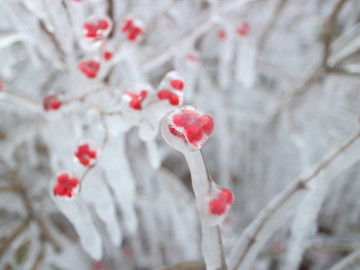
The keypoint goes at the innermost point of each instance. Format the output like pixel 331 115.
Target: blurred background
pixel 281 80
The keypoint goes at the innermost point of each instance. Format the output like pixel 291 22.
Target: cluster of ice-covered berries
pixel 219 204
pixel 172 96
pixel 51 102
pixel 135 100
pixel 96 28
pixel 89 67
pixel 86 155
pixel 132 28
pixel 66 185
pixel 191 126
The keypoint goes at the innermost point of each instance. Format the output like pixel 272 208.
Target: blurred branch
pixel 186 266
pixel 39 258
pixel 287 193
pixel 271 24
pixel 39 219
pixel 347 261
pixel 7 240
pixel 329 27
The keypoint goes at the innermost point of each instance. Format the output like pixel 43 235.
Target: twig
pixel 7 240
pixel 288 192
pixel 271 24
pixel 329 31
pixel 347 261
pixel 9 189
pixel 39 219
pixel 39 257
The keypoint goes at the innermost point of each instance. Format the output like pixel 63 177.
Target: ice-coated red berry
pixel 164 94
pixel 89 68
pixel 226 196
pixel 84 148
pixel 127 25
pixel 222 34
pixel 143 94
pixel 180 120
pixel 73 182
pixel 135 104
pixel 177 84
pixel 51 102
pixel 85 155
pixel 107 55
pixel 217 207
pixel 59 190
pixel 174 99
pixel 244 29
pixel 193 133
pixel 92 154
pixel 63 178
pixel 206 122
pixel 173 131
pixel 103 24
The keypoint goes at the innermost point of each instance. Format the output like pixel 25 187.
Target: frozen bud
pixel 66 186
pixel 51 102
pixel 187 129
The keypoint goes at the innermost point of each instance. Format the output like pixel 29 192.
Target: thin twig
pixel 39 257
pixel 7 240
pixel 39 219
pixel 288 192
pixel 329 31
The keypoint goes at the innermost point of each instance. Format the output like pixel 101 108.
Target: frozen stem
pixel 287 193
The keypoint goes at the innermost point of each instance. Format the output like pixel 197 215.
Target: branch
pixel 347 261
pixel 287 193
pixel 329 31
pixel 39 219
pixel 39 257
pixel 7 240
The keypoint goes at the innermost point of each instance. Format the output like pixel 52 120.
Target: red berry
pixel 69 192
pixel 84 161
pixel 127 25
pixel 103 24
pixel 59 190
pixel 107 55
pixel 84 148
pixel 177 84
pixel 51 102
pixel 222 34
pixel 73 182
pixel 206 122
pixel 226 196
pixel 174 131
pixel 164 94
pixel 137 30
pixel 56 104
pixel 174 99
pixel 92 154
pixel 143 94
pixel 217 207
pixel 135 104
pixel 132 35
pixel 193 133
pixel 63 178
pixel 180 120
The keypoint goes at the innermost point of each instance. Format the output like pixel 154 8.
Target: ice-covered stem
pixel 285 195
pixel 211 243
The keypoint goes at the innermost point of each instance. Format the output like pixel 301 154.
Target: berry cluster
pixel 172 96
pixel 135 100
pixel 89 67
pixel 244 29
pixel 66 185
pixel 132 28
pixel 191 127
pixel 218 205
pixel 86 155
pixel 51 102
pixel 96 28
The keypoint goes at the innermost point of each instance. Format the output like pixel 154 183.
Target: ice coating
pixel 97 27
pixel 187 129
pixel 171 89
